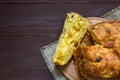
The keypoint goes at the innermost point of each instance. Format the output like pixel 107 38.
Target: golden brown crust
pixel 97 62
pixel 108 33
pixel 101 62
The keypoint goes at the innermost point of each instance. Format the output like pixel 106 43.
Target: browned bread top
pixel 101 62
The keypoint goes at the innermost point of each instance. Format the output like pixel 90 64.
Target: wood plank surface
pixel 60 1
pixel 26 27
pixel 44 14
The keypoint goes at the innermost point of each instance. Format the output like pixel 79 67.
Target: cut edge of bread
pixel 74 29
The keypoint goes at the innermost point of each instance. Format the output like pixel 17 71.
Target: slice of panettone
pixel 74 29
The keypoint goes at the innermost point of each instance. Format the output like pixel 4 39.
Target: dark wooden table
pixel 27 25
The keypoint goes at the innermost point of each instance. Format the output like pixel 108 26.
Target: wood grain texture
pixel 46 15
pixel 25 28
pixel 59 1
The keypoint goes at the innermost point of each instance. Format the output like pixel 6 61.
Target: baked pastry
pixel 100 61
pixel 108 34
pixel 74 29
pixel 97 62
